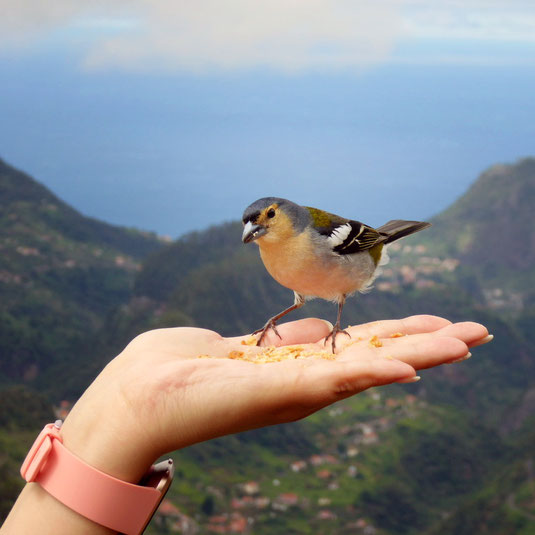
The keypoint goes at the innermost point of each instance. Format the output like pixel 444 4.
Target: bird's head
pixel 271 219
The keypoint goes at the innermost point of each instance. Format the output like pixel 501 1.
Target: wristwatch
pixel 106 500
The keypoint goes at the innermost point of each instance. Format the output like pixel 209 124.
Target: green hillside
pixel 495 212
pixel 491 230
pixel 60 274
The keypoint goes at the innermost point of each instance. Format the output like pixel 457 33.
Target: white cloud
pixel 205 34
pixel 490 20
pixel 25 22
pixel 281 34
pixel 287 35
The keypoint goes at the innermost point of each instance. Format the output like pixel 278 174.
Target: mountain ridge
pixel 18 188
pixel 507 212
pixel 60 273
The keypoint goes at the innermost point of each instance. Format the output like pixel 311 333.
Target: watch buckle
pixel 38 454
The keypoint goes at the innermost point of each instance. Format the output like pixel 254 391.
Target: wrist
pixel 109 448
pixel 36 511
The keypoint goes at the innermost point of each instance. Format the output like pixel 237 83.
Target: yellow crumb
pixel 375 342
pixel 251 341
pixel 351 341
pixel 277 354
pixel 397 335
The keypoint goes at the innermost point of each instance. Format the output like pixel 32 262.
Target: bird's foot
pixel 270 324
pixel 333 333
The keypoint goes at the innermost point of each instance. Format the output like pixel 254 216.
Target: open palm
pixel 158 395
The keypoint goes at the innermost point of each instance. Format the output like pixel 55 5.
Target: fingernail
pixel 414 379
pixel 485 340
pixel 466 357
pixel 329 324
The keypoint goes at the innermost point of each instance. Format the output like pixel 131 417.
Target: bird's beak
pixel 252 232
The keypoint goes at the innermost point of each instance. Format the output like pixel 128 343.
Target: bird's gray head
pixel 273 216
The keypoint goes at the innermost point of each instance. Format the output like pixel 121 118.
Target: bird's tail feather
pixel 398 229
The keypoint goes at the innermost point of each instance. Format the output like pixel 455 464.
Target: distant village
pixel 422 273
pixel 427 271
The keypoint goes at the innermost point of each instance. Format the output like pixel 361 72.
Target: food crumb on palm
pixel 276 354
pixel 375 342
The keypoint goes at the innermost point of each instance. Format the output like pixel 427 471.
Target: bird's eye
pixel 271 213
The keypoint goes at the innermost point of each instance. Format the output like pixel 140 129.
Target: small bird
pixel 317 254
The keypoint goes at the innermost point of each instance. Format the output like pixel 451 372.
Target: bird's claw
pixel 270 324
pixel 333 333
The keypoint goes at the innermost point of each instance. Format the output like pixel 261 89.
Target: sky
pixel 174 116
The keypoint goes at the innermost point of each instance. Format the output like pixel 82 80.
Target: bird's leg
pixel 271 322
pixel 336 328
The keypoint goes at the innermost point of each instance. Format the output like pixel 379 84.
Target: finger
pixel 345 378
pixel 482 341
pixel 305 331
pixel 305 386
pixel 467 331
pixel 424 351
pixel 411 325
pixel 470 333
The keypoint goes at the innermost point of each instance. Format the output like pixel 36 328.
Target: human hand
pixel 158 396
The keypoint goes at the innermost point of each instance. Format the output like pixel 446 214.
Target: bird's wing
pixel 345 235
pixel 353 237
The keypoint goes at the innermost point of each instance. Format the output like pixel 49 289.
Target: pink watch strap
pixel 108 501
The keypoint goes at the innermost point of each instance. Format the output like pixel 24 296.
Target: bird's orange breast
pixel 296 264
pixel 287 261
